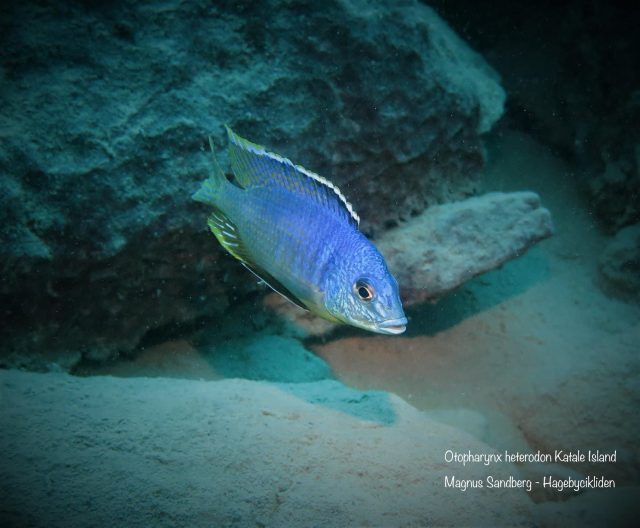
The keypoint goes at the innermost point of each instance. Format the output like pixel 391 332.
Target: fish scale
pixel 297 232
pixel 298 246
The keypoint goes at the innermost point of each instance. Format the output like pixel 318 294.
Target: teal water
pixel 148 379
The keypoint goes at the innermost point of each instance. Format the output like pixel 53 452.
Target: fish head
pixel 362 292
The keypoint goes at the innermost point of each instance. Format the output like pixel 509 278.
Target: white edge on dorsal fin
pixel 331 186
pixel 311 175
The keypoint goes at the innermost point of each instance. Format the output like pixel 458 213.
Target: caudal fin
pixel 210 187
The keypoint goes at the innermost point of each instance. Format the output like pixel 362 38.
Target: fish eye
pixel 364 290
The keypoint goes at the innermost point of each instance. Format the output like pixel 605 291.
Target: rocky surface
pixel 620 263
pixel 449 244
pixel 570 69
pixel 102 141
pixel 615 189
pixel 106 451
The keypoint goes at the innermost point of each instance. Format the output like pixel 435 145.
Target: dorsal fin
pixel 254 166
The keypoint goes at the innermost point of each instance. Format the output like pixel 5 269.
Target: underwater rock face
pixel 103 139
pixel 106 451
pixel 449 244
pixel 615 192
pixel 571 72
pixel 620 263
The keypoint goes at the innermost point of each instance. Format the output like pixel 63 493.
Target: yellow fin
pixel 227 234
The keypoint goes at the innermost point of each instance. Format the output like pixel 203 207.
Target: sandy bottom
pixel 531 357
pixel 108 451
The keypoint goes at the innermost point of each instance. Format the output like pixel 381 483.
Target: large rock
pixel 140 452
pixel 546 58
pixel 449 244
pixel 105 114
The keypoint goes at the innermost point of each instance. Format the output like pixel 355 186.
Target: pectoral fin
pixel 227 234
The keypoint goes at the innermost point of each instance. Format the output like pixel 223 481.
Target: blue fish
pixel 296 231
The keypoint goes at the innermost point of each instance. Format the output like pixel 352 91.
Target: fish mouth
pixel 392 326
